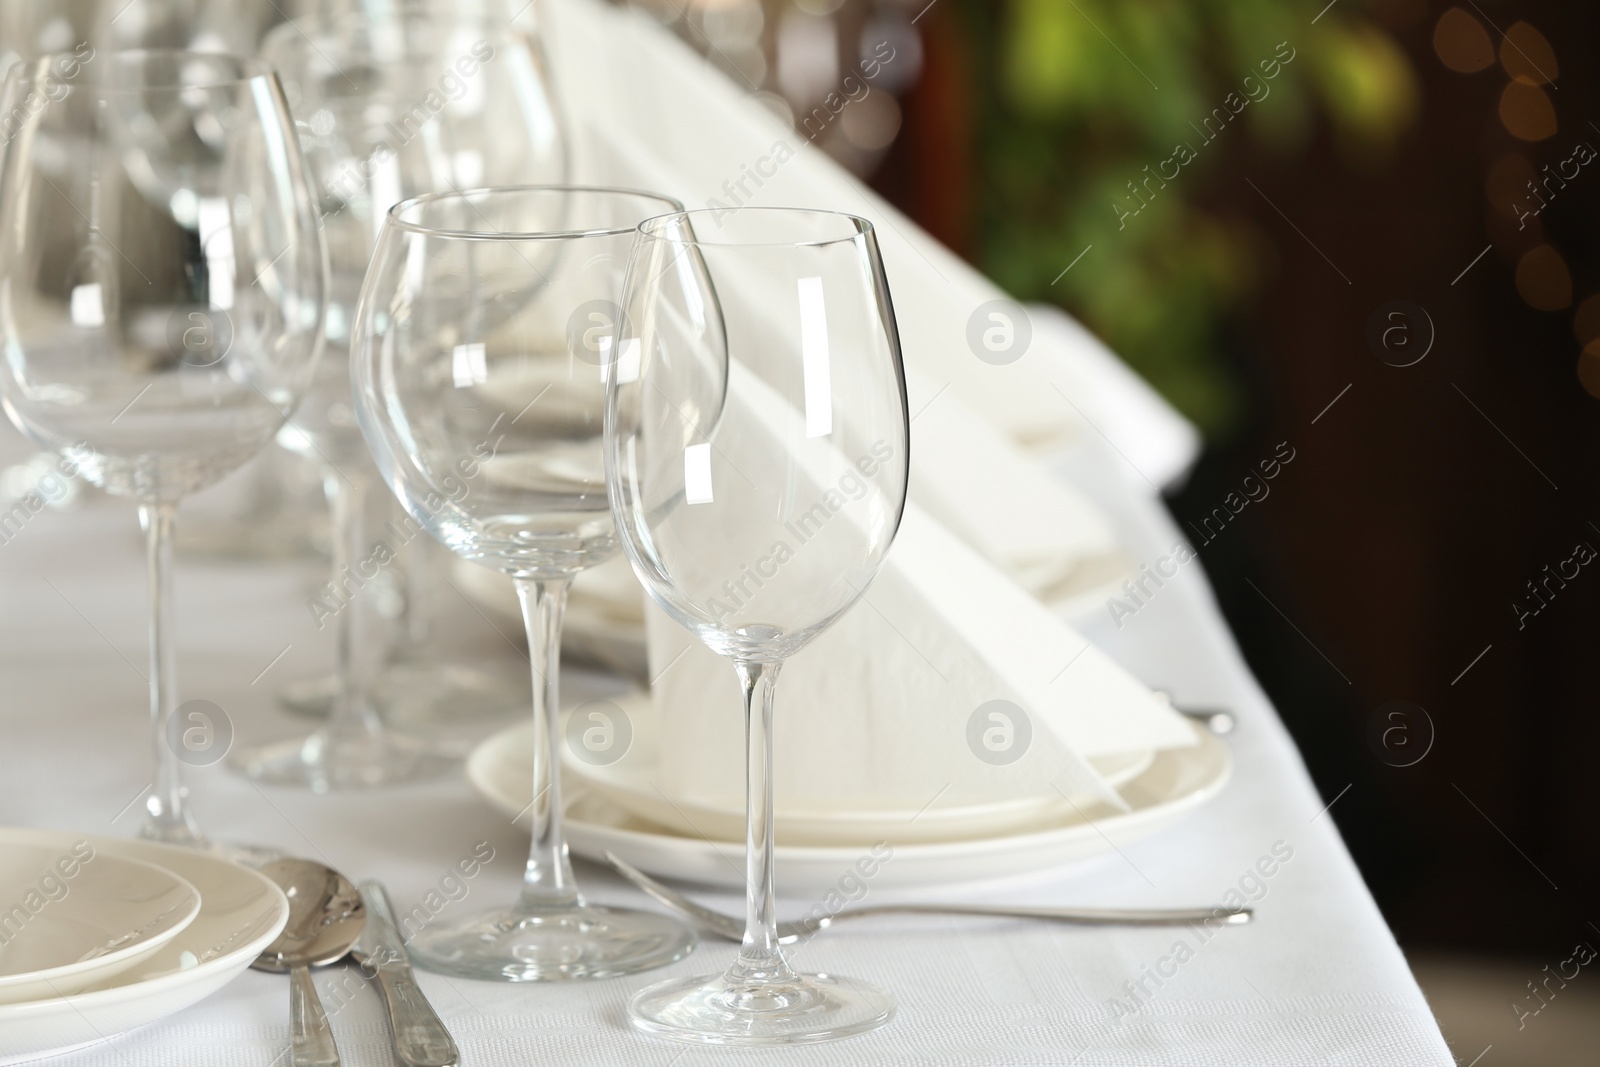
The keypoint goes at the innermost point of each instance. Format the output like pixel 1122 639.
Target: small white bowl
pixel 241 912
pixel 72 915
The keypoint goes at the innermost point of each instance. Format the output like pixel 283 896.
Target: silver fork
pixel 732 929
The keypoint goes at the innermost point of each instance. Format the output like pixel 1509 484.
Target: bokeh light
pixel 1543 280
pixel 1507 184
pixel 872 123
pixel 1461 42
pixel 1586 321
pixel 1526 111
pixel 1589 368
pixel 1527 56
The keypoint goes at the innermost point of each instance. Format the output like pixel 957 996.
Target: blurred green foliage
pixel 1078 97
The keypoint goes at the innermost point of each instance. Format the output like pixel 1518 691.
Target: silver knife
pixel 420 1039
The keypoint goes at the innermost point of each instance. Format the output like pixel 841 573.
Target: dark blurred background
pixel 1394 214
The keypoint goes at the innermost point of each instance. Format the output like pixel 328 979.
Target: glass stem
pixel 547 883
pixel 760 960
pixel 422 575
pixel 353 717
pixel 168 817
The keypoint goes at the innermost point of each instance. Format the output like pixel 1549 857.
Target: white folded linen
pixel 1042 532
pixel 937 295
pixel 1146 432
pixel 951 684
pixel 894 706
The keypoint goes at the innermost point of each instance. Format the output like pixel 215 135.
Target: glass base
pixel 322 763
pixel 442 698
pixel 418 695
pixel 452 707
pixel 312 697
pixel 718 1011
pixel 186 836
pixel 581 942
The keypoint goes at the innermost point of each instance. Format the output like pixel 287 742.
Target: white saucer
pixel 71 916
pixel 631 784
pixel 1176 782
pixel 240 913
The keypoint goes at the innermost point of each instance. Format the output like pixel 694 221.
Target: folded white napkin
pixel 878 712
pixel 950 685
pixel 975 480
pixel 1146 431
pixel 1043 533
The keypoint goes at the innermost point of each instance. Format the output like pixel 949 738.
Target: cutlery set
pixel 331 921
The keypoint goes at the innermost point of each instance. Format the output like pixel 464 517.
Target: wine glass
pixel 756 457
pixel 162 281
pixel 477 355
pixel 232 26
pixel 412 101
pixel 29 30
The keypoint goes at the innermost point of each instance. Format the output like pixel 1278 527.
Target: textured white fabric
pixel 1316 980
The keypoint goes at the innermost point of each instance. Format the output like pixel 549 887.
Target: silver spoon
pixel 326 917
pixel 732 929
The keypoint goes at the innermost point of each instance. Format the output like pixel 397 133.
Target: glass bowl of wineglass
pixel 756 457
pixel 414 99
pixel 477 357
pixel 162 284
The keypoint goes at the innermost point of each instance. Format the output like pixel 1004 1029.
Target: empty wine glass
pixel 477 357
pixel 232 26
pixel 408 101
pixel 161 296
pixel 756 455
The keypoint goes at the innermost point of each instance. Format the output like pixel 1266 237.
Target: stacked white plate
pixel 100 936
pixel 616 808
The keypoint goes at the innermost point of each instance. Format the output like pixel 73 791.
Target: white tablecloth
pixel 1317 979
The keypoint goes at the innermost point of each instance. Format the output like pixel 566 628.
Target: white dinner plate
pixel 241 911
pixel 1176 783
pixel 72 915
pixel 631 784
